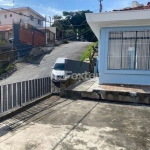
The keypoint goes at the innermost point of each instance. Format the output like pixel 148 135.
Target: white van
pixel 58 71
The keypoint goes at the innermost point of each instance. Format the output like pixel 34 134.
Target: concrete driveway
pixel 64 124
pixel 25 71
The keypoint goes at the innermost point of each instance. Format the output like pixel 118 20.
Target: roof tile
pixel 5 27
pixel 136 8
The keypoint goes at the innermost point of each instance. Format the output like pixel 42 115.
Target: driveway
pixel 64 124
pixel 25 71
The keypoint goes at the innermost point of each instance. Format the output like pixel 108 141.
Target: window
pixel 59 66
pixel 31 18
pixel 10 15
pixel 5 16
pixel 39 22
pixel 129 50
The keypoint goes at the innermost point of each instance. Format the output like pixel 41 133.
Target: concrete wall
pixel 106 76
pixel 53 29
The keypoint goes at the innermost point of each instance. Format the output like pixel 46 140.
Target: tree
pixel 74 23
pixel 56 17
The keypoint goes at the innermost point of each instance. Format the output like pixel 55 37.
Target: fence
pixel 25 36
pixel 26 39
pixel 17 94
pixel 38 38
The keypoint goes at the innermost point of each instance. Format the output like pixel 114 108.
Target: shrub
pixel 9 67
pixel 87 52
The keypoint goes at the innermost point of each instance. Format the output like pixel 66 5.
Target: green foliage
pixel 9 67
pixel 57 17
pixel 75 24
pixel 4 70
pixel 2 42
pixel 87 52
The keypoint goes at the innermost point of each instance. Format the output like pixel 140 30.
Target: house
pixel 124 44
pixel 52 34
pixel 24 15
pixel 6 33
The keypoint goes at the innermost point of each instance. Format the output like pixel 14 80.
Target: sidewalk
pixel 125 93
pixel 63 124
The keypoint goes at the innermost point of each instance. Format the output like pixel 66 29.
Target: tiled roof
pixel 136 8
pixel 5 27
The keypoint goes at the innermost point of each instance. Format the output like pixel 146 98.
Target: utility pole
pixel 45 32
pixel 50 20
pixel 101 6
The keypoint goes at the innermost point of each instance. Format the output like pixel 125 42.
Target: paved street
pixel 31 71
pixel 64 124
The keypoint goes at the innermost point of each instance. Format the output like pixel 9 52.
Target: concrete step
pixel 122 93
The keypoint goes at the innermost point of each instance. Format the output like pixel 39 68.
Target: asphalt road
pixel 25 71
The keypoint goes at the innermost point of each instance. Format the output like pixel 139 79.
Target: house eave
pixel 118 19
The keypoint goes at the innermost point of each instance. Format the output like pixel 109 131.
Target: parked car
pixel 58 71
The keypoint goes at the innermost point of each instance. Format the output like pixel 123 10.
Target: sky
pixel 56 7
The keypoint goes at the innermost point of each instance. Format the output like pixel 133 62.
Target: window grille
pixel 129 50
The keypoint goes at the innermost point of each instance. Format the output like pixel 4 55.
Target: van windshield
pixel 59 66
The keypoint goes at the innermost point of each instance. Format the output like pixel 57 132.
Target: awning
pixel 6 28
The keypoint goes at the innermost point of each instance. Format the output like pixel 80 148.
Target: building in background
pixel 6 33
pixel 52 34
pixel 7 17
pixel 25 16
pixel 124 44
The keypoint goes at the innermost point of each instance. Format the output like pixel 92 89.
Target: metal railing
pixel 17 94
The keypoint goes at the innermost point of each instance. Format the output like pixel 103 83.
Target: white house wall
pixel 16 18
pixel 35 21
pixel 119 76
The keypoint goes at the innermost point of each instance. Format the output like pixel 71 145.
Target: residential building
pixel 52 34
pixel 26 17
pixel 124 44
pixel 6 33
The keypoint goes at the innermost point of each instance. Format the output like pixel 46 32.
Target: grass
pixel 9 67
pixel 4 70
pixel 88 50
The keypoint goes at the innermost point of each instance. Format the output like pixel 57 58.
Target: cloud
pixel 54 11
pixel 6 3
